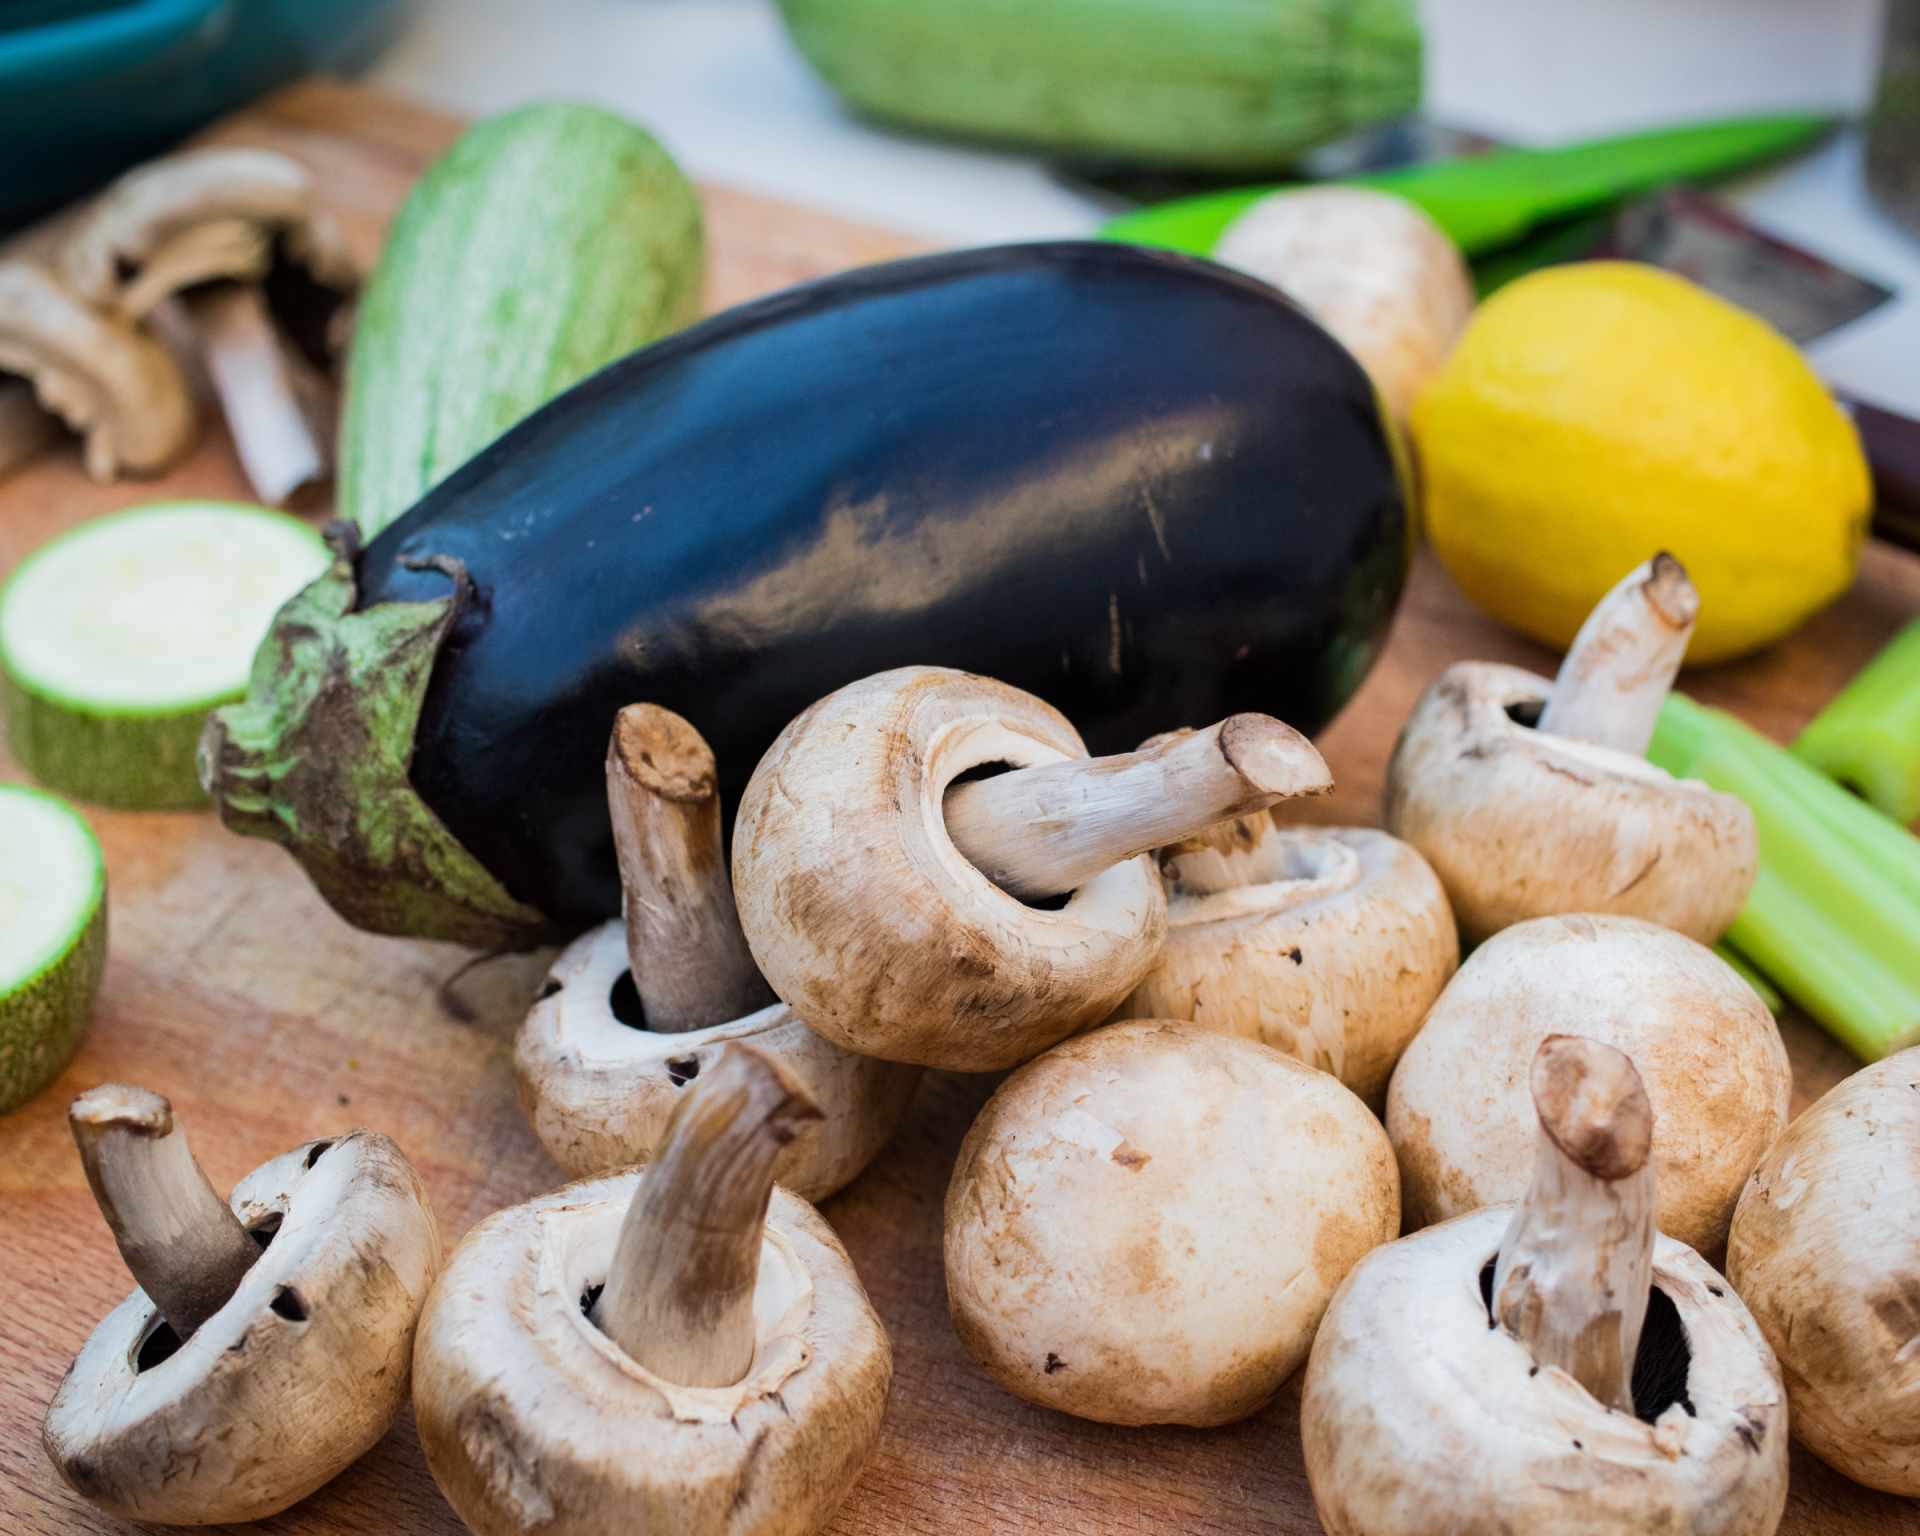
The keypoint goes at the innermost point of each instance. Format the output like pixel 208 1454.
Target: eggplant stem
pixel 254 379
pixel 1042 831
pixel 679 1296
pixel 1623 662
pixel 1576 1263
pixel 690 962
pixel 185 1247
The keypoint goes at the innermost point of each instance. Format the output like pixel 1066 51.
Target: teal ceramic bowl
pixel 89 87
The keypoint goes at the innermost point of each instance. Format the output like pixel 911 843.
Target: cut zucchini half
pixel 118 638
pixel 53 937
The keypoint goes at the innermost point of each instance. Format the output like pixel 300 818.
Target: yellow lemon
pixel 1597 413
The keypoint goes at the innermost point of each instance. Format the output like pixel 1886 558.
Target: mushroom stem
pixel 1621 665
pixel 185 1247
pixel 271 432
pixel 689 959
pixel 26 426
pixel 1042 831
pixel 1576 1264
pixel 679 1297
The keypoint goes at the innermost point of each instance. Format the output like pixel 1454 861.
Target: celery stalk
pixel 1869 735
pixel 1834 917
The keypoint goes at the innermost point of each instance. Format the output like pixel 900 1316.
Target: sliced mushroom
pixel 631 1014
pixel 91 372
pixel 898 844
pixel 1706 1046
pixel 1145 1223
pixel 683 1348
pixel 269 1343
pixel 1530 799
pixel 1494 1373
pixel 1826 1251
pixel 1328 943
pixel 231 240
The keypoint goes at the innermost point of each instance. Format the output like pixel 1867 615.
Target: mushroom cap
pixel 119 390
pixel 1460 1111
pixel 257 192
pixel 600 1092
pixel 1418 1415
pixel 1521 824
pixel 1371 267
pixel 290 1382
pixel 1328 943
pixel 1145 1224
pixel 1823 1250
pixel 533 1419
pixel 864 916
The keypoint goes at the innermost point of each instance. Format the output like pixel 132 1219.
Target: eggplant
pixel 1144 487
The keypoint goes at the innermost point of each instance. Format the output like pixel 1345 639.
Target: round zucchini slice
pixel 118 637
pixel 53 937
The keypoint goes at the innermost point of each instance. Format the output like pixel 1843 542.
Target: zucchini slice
pixel 53 937
pixel 118 637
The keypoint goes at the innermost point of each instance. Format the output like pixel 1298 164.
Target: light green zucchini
pixel 118 638
pixel 1228 85
pixel 544 245
pixel 53 937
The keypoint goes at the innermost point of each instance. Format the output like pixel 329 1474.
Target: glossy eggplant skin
pixel 1143 487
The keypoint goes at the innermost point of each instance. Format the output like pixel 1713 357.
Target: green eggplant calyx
pixel 316 758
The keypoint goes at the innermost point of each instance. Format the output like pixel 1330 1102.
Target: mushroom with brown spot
pixel 65 364
pixel 1553 1368
pixel 634 1012
pixel 684 1347
pixel 1710 1054
pixel 902 847
pixel 1825 1249
pixel 268 1346
pixel 1328 943
pixel 226 249
pixel 1530 798
pixel 1145 1223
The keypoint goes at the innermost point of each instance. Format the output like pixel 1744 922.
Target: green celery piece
pixel 1868 737
pixel 1834 917
pixel 1741 966
pixel 1487 201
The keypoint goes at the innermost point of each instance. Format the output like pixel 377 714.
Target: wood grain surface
pixel 234 990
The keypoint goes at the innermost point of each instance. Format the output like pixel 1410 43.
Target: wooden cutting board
pixel 233 989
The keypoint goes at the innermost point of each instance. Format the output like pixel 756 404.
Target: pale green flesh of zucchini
pixel 53 889
pixel 118 637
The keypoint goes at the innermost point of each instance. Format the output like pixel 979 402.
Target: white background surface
pixel 719 83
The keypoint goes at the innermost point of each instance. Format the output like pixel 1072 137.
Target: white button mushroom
pixel 227 247
pixel 1145 1224
pixel 681 1348
pixel 1825 1249
pixel 600 1082
pixel 1710 1053
pixel 1328 943
pixel 1530 799
pixel 269 1343
pixel 1492 1373
pixel 89 372
pixel 896 841
pixel 1371 267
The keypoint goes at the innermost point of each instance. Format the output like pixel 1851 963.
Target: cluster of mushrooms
pixel 1246 1053
pixel 209 272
